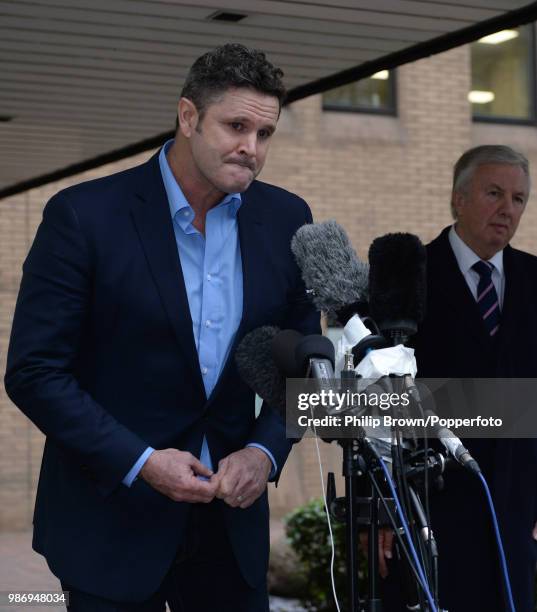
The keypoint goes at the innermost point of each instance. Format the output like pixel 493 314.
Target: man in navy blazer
pixel 481 322
pixel 135 293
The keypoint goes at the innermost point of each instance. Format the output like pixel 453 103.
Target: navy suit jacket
pixel 102 359
pixel 452 342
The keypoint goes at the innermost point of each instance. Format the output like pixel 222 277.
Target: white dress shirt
pixel 466 258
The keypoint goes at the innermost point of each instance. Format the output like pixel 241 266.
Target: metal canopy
pixel 85 82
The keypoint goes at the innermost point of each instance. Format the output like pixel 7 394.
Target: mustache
pixel 241 162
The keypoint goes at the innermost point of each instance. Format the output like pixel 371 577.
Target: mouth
pixel 242 164
pixel 500 227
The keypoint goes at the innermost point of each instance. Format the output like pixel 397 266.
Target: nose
pixel 248 144
pixel 507 206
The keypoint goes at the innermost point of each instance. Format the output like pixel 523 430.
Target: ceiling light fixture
pixel 498 37
pixel 382 75
pixel 480 97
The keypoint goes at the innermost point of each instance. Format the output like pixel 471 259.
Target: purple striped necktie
pixel 487 298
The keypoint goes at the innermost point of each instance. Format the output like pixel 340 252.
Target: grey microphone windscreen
pixel 329 265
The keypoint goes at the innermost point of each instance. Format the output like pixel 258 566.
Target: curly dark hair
pixel 231 65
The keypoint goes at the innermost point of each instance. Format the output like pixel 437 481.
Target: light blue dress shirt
pixel 212 271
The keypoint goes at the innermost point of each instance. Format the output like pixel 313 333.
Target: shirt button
pixel 204 371
pixel 208 323
pixel 209 277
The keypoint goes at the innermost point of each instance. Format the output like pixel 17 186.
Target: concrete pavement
pixel 22 569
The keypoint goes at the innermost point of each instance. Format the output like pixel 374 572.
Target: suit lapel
pixel 450 284
pixel 514 298
pixel 152 218
pixel 250 219
pixel 512 317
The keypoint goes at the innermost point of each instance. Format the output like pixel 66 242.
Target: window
pixel 375 94
pixel 503 76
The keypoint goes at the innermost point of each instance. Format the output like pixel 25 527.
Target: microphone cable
pixel 503 562
pixel 396 531
pixel 329 522
pixel 415 569
pixel 404 523
pixel 406 506
pixel 433 563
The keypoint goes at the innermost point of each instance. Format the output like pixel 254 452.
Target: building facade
pixel 374 173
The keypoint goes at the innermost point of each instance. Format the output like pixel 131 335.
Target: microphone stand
pixel 351 510
pixel 421 532
pixel 352 469
pixel 357 511
pixel 374 602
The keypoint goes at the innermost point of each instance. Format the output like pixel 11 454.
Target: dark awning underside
pixel 85 82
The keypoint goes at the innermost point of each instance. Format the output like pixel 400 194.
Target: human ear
pixel 459 202
pixel 188 116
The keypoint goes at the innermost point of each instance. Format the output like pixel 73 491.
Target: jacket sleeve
pixel 51 311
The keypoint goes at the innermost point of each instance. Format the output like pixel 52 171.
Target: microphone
pixel 315 354
pixel 257 368
pixel 454 446
pixel 331 270
pixel 297 356
pixel 283 352
pixel 397 284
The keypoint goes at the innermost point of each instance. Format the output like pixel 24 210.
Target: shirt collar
pixel 176 198
pixel 466 258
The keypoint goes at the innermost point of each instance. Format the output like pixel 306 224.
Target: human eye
pixel 265 134
pixel 238 126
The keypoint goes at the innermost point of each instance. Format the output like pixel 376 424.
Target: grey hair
pixel 231 65
pixel 467 164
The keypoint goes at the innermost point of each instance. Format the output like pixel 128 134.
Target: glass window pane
pixel 374 94
pixel 501 69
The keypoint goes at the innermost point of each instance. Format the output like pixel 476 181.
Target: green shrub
pixel 307 531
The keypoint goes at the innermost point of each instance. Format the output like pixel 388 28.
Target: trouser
pixel 204 576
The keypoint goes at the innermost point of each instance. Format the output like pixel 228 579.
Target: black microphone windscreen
pixel 283 352
pixel 397 278
pixel 314 345
pixel 329 265
pixel 257 368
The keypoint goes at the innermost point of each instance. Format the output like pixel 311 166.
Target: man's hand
pixel 175 474
pixel 242 477
pixel 385 547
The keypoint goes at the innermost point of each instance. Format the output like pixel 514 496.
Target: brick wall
pixel 373 174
